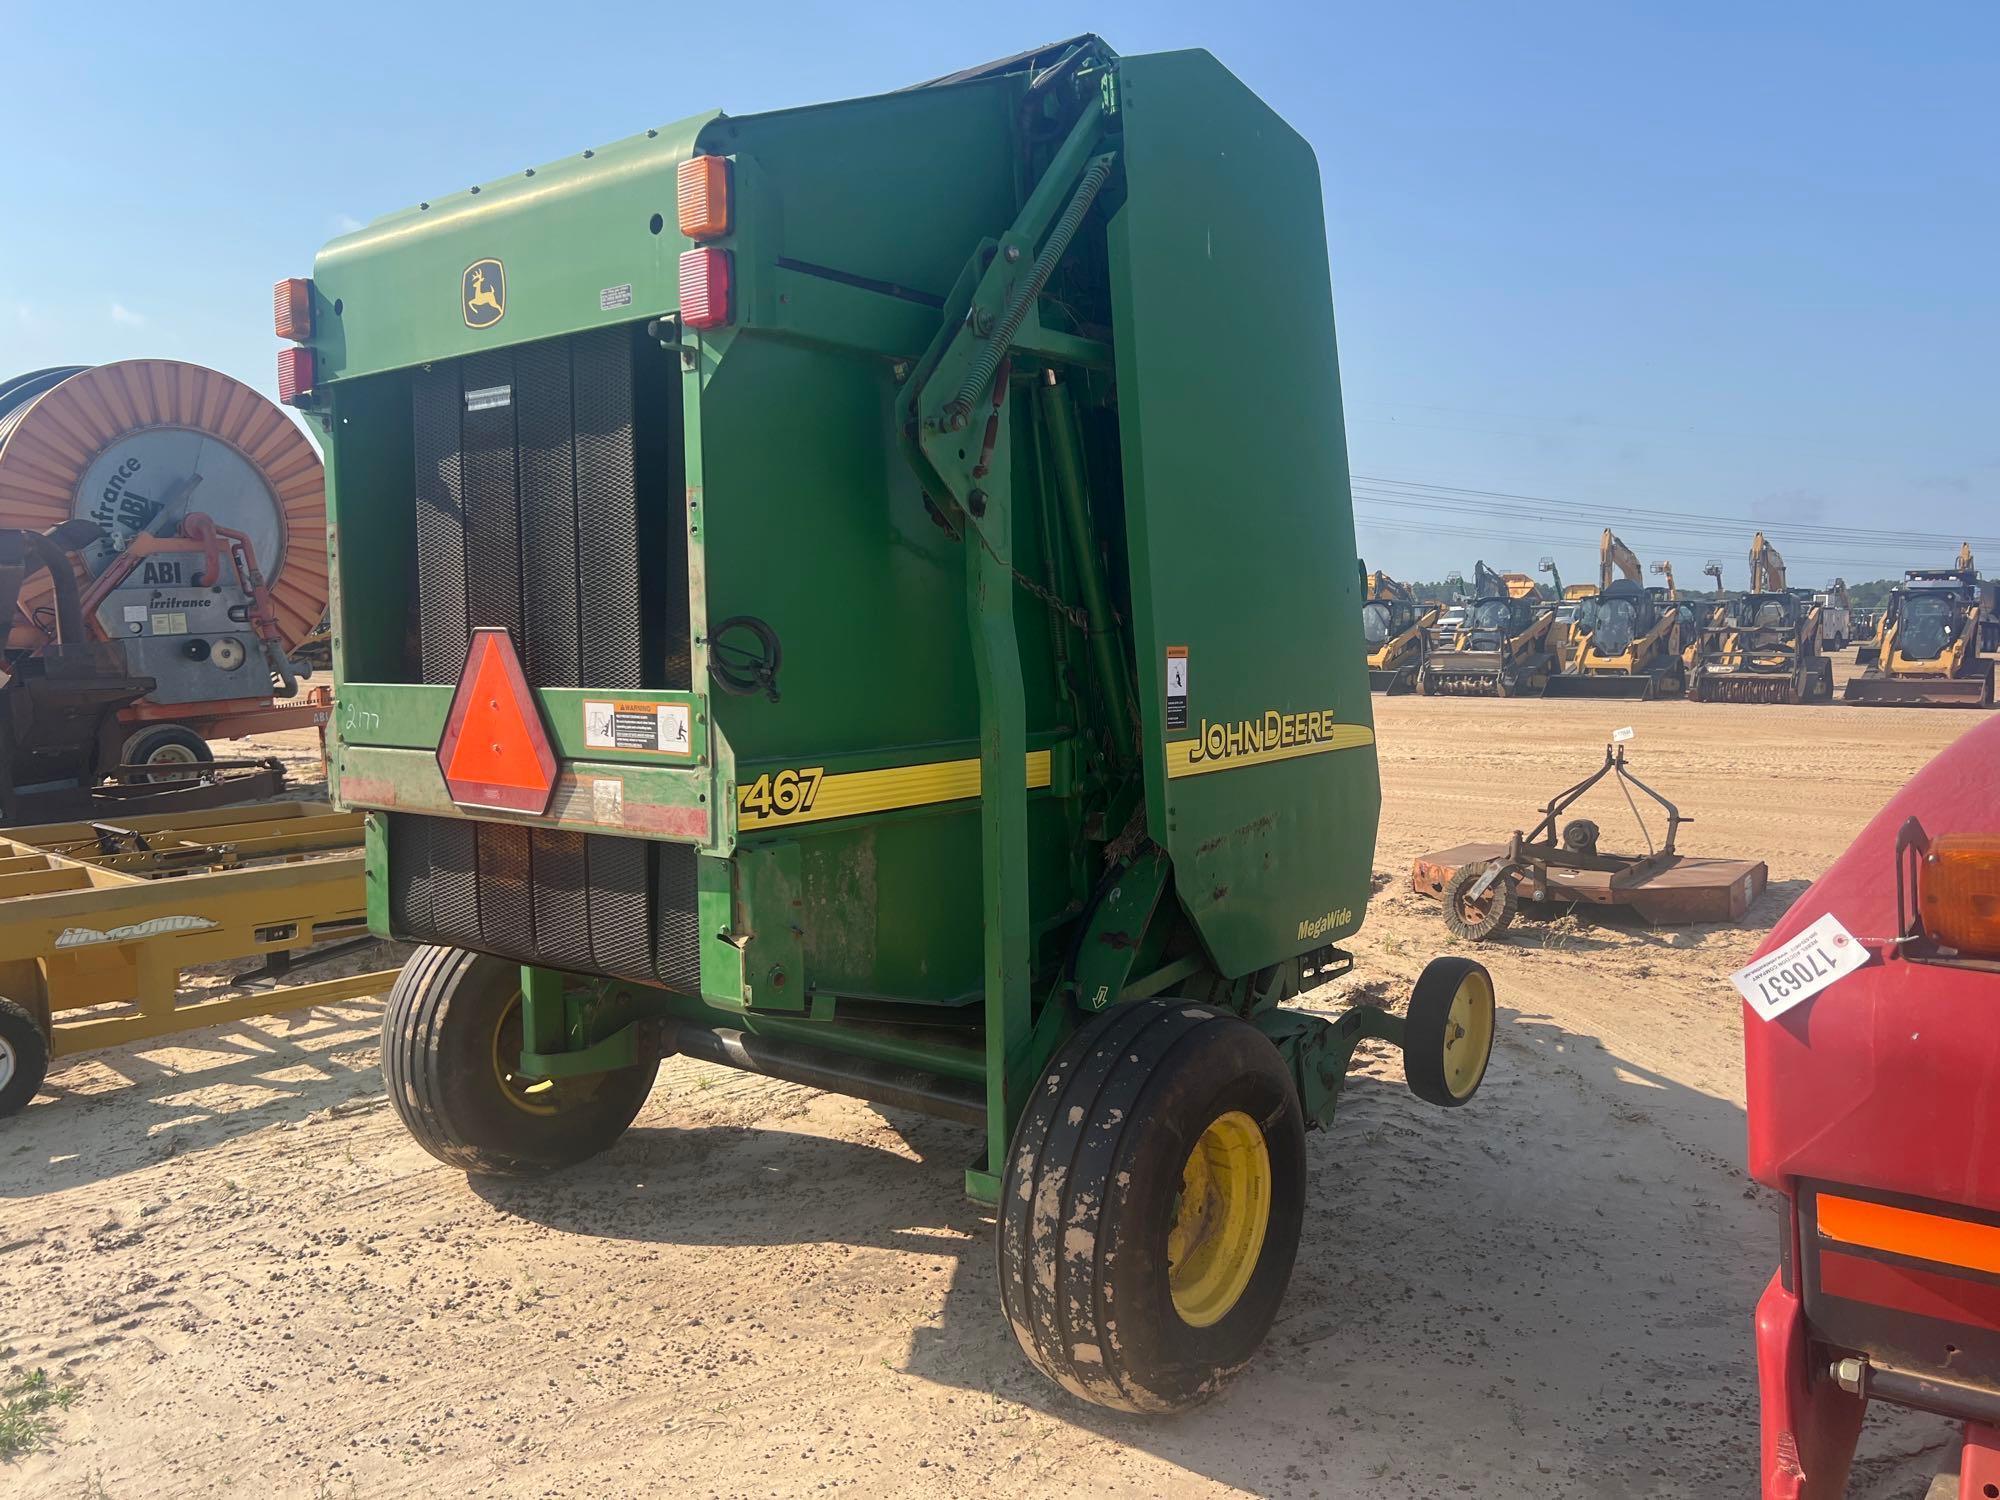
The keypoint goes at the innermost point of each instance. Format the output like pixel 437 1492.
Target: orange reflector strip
pixel 1909 1231
pixel 701 196
pixel 495 752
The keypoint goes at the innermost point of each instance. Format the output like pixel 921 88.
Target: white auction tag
pixel 1801 969
pixel 1622 735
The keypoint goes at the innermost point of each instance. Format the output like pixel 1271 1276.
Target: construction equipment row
pixel 1622 638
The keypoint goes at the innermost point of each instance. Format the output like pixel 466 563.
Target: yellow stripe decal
pixel 809 795
pixel 1909 1231
pixel 1257 742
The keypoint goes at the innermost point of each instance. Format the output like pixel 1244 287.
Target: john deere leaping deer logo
pixel 485 293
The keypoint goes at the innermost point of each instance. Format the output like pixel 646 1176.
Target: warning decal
pixel 1177 687
pixel 658 727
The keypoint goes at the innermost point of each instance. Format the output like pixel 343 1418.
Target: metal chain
pixel 1075 614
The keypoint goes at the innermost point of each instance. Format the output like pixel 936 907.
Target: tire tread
pixel 1075 1143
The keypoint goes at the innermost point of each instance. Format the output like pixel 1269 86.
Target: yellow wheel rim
pixel 534 1096
pixel 1219 1219
pixel 1468 1034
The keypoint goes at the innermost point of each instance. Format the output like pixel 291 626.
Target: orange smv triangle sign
pixel 495 751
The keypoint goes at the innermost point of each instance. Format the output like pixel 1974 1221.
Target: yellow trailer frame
pixel 99 919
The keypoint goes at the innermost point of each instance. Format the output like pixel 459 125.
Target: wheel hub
pixel 6 1062
pixel 1468 1034
pixel 534 1096
pixel 1219 1219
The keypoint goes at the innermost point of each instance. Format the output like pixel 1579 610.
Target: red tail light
pixel 296 373
pixel 705 288
pixel 292 308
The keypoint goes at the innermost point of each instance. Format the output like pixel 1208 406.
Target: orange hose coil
pixel 52 442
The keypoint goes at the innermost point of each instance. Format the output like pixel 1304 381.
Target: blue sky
pixel 1722 259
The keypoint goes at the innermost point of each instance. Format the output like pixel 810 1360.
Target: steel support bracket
pixel 647 1039
pixel 1116 929
pixel 1320 1051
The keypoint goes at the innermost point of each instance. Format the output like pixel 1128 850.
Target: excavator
pixel 1927 646
pixel 1502 649
pixel 1626 643
pixel 1763 646
pixel 1396 629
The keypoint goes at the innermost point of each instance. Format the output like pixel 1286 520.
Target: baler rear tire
pixel 1152 1102
pixel 445 1039
pixel 24 1057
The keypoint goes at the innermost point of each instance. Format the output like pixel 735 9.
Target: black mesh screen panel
pixel 676 939
pixel 541 509
pixel 441 624
pixel 606 510
pixel 492 504
pixel 547 471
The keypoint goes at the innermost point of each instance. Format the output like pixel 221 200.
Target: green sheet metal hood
pixel 574 239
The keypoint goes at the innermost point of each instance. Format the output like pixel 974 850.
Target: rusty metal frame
pixel 1541 848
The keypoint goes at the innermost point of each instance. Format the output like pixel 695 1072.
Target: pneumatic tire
pixel 1448 1034
pixel 450 1038
pixel 1151 1206
pixel 24 1057
pixel 168 746
pixel 1478 918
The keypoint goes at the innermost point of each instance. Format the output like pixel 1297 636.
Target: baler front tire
pixel 1151 1206
pixel 451 1027
pixel 1448 1034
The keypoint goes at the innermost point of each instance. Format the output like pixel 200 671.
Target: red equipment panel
pixel 1890 1078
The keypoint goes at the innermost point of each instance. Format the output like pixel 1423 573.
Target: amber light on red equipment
pixel 292 308
pixel 1958 893
pixel 705 287
pixel 296 373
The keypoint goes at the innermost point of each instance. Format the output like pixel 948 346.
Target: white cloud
pixel 120 313
pixel 345 223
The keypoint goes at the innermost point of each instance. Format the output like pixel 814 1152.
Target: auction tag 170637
pixel 1800 969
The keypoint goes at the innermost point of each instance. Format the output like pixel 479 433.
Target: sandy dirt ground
pixel 259 1285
